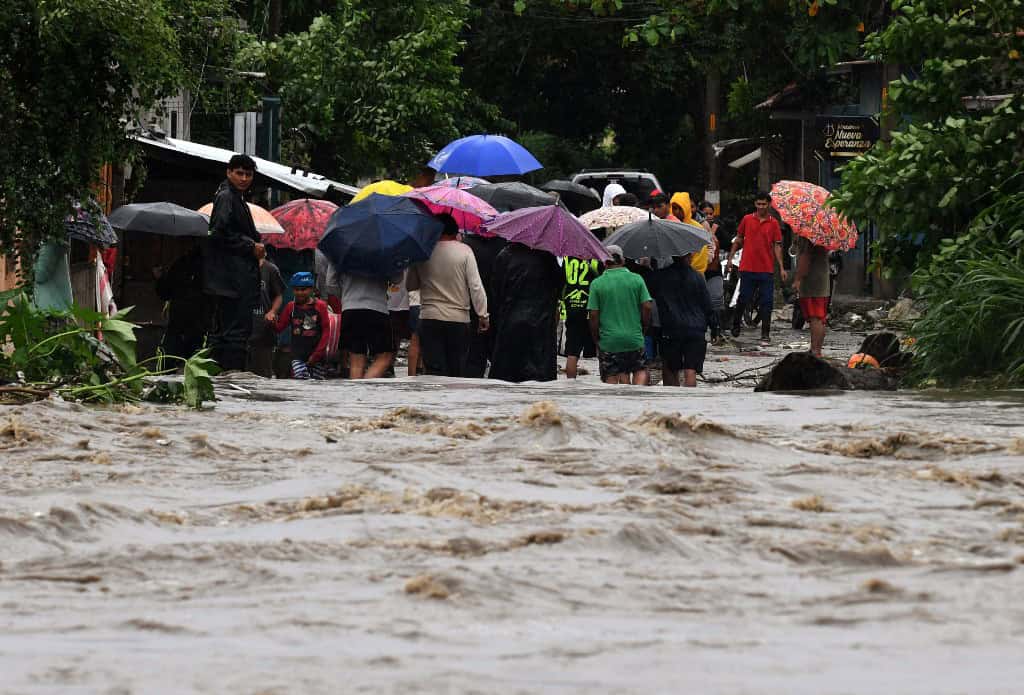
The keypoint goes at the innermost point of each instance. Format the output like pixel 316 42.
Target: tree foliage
pixel 73 74
pixel 946 161
pixel 373 84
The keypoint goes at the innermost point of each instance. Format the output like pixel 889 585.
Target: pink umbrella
pixel 549 228
pixel 468 210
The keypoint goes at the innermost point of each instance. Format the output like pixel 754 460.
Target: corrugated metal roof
pixel 305 182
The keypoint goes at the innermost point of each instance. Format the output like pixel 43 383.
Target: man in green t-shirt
pixel 620 312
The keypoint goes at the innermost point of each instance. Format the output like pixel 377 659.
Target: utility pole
pixel 712 88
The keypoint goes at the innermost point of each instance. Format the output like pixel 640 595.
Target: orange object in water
pixel 862 360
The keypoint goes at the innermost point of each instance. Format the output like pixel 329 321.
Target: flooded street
pixel 446 536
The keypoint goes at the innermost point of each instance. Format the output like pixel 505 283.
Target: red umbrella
pixel 804 207
pixel 304 221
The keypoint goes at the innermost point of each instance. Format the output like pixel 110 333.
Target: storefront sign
pixel 846 136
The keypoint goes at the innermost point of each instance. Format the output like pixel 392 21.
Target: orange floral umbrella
pixel 804 207
pixel 261 217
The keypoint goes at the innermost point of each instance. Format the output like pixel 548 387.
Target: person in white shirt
pixel 448 283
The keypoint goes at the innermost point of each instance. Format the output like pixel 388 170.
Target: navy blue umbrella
pixel 380 235
pixel 484 155
pixel 90 226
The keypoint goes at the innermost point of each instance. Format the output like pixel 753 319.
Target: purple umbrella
pixel 549 228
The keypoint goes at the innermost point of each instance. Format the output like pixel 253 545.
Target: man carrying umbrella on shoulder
pixel 231 267
pixel 760 237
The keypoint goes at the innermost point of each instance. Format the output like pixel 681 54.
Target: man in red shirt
pixel 760 237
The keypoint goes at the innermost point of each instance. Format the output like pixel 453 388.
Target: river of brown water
pixel 449 536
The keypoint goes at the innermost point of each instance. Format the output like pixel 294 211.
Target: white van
pixel 639 183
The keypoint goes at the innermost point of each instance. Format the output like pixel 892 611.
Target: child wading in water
pixel 308 320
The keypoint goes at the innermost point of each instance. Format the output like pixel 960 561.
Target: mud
pixel 446 536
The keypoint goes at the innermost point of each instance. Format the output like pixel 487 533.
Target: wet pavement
pixel 442 536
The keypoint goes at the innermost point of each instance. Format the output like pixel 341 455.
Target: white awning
pixel 299 180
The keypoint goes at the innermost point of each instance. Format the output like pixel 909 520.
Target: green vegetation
pixel 974 287
pixel 72 75
pixel 947 162
pixel 48 352
pixel 374 84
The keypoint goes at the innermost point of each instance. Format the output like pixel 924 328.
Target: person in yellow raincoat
pixel 682 207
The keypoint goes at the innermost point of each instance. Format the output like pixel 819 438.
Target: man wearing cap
pixel 659 204
pixel 620 312
pixel 308 320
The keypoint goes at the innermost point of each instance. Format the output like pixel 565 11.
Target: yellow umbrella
pixel 261 217
pixel 385 187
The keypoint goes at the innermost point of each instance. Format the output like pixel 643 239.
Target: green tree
pixel 948 189
pixel 374 85
pixel 947 160
pixel 73 74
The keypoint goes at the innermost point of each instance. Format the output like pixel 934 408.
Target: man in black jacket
pixel 231 268
pixel 684 306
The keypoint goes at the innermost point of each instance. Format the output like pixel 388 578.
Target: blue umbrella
pixel 380 235
pixel 484 155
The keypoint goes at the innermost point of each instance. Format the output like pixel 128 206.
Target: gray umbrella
pixel 166 219
pixel 657 238
pixel 579 199
pixel 514 195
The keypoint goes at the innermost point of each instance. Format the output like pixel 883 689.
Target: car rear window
pixel 639 186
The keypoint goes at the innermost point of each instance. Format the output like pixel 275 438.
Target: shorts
pixel 400 323
pixel 684 352
pixel 578 340
pixel 365 331
pixel 615 363
pixel 814 307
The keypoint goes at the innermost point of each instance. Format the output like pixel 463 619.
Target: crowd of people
pixel 480 306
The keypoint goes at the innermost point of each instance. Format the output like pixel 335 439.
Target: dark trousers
pixel 444 346
pixel 232 326
pixel 481 345
pixel 763 283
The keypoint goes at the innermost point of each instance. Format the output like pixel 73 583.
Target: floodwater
pixel 449 536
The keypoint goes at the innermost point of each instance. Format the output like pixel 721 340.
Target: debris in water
pixel 428 586
pixel 541 414
pixel 879 586
pixel 14 430
pixel 102 459
pixel 814 503
pixel 656 422
pixel 540 538
pixel 152 433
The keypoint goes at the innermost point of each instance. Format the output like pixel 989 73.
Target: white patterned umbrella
pixel 613 217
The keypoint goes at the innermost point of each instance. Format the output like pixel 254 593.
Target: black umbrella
pixel 514 195
pixel 579 199
pixel 657 238
pixel 166 219
pixel 91 227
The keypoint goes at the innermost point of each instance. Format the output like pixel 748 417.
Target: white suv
pixel 639 183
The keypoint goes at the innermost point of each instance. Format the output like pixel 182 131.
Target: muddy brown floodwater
pixel 448 536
